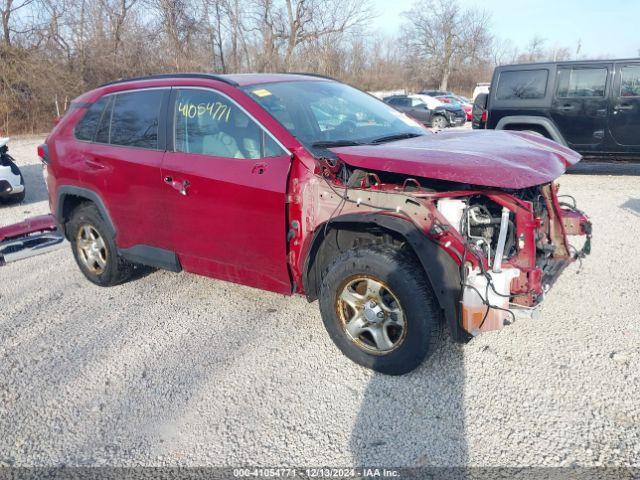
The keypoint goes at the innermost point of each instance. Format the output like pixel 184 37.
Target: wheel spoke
pixel 99 242
pixel 381 338
pixel 85 233
pixel 356 326
pixel 373 289
pixel 351 298
pixel 389 309
pixel 100 261
pixel 83 243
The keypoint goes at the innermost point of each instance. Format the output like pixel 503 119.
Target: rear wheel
pixel 379 309
pixel 94 248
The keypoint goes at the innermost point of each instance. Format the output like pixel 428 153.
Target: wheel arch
pixel 350 230
pixel 69 197
pixel 547 124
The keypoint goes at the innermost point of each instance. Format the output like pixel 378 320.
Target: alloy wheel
pixel 92 250
pixel 371 315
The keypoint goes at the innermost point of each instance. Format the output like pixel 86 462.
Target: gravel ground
pixel 175 369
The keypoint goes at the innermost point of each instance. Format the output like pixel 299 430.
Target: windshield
pixel 323 114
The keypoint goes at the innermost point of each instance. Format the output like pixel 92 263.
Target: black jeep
pixel 592 107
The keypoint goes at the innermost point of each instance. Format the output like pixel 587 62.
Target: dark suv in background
pixel 591 106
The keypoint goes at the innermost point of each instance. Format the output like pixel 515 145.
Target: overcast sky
pixel 605 27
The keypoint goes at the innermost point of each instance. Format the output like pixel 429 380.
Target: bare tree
pixel 445 35
pixel 309 20
pixel 8 9
pixel 179 25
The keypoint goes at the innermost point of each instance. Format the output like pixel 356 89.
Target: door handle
pixel 566 108
pixel 623 107
pixel 93 165
pixel 259 168
pixel 179 186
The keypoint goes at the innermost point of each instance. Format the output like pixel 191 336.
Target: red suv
pixel 301 184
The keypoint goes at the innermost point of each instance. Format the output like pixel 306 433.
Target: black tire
pixel 117 269
pixel 403 275
pixel 439 121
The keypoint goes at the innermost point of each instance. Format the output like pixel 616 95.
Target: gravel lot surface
pixel 175 369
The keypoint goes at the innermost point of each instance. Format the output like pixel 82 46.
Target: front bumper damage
pixel 524 275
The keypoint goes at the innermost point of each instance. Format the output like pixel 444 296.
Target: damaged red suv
pixel 301 184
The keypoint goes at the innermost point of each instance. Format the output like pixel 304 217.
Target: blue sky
pixel 604 27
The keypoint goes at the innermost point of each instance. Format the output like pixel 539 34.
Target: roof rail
pixel 308 74
pixel 160 76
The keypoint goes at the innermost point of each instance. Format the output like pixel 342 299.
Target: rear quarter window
pixel 86 128
pixel 522 84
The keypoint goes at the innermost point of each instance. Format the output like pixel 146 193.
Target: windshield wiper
pixel 397 136
pixel 336 143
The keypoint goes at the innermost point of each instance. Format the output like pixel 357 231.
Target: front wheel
pixel 379 309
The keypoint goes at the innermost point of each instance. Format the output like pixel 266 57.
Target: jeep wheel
pixel 439 122
pixel 379 309
pixel 94 248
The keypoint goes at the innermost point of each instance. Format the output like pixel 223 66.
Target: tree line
pixel 53 50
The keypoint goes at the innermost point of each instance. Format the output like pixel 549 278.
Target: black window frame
pixel 562 68
pixel 170 131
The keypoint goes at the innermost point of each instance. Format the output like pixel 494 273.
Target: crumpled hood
pixel 504 159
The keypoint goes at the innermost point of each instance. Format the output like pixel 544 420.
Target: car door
pixel 580 105
pixel 120 161
pixel 402 104
pixel 225 185
pixel 624 123
pixel 419 111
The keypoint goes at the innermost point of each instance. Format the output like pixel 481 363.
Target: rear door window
pixel 86 128
pixel 208 123
pixel 581 82
pixel 522 85
pixel 135 119
pixel 630 81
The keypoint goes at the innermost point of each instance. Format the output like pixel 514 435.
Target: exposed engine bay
pixel 510 244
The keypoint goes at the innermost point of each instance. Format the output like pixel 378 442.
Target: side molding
pixel 544 122
pixel 152 257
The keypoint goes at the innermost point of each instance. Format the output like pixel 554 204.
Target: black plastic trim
pixel 69 190
pixel 162 121
pixel 152 257
pixel 209 76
